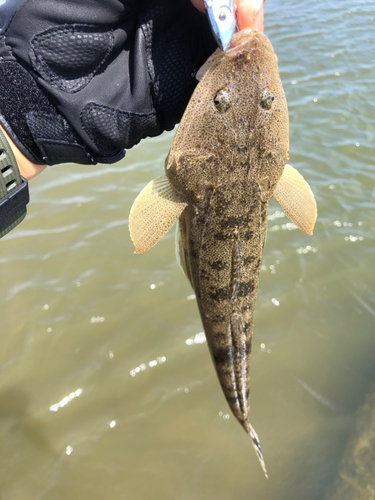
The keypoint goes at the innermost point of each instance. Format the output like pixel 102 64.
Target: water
pixel 107 390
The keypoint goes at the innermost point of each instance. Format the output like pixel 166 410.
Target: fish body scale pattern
pixel 226 158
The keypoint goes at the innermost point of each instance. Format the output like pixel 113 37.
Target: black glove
pixel 80 80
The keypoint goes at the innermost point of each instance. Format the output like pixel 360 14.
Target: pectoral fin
pixel 296 199
pixel 155 210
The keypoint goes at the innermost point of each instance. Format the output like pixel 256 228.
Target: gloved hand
pixel 83 79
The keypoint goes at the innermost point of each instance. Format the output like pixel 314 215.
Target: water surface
pixel 107 389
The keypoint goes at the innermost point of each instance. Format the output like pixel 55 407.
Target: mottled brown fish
pixel 226 161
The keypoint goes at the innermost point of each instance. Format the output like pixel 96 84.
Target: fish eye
pixel 266 99
pixel 222 100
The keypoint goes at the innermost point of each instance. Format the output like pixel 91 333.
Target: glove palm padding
pixel 95 77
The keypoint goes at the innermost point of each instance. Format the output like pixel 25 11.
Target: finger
pixel 199 5
pixel 250 14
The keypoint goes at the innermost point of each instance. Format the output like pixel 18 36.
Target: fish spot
pixel 218 265
pixel 221 236
pixel 248 235
pixel 221 205
pixel 244 288
pixel 220 294
pixel 217 319
pixel 247 325
pixel 204 275
pixel 223 356
pixel 249 260
pixel 232 222
pixel 233 400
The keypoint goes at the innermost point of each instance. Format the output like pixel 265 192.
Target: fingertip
pixel 199 5
pixel 250 14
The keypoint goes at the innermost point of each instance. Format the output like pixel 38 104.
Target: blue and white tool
pixel 222 16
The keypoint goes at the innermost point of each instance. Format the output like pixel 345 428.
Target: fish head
pixel 237 115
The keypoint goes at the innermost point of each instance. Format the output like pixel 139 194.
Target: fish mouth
pixel 242 37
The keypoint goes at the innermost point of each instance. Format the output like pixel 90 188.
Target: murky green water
pixel 107 390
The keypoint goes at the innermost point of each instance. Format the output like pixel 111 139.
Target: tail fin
pixel 256 445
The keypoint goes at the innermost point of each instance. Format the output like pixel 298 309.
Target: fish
pixel 227 159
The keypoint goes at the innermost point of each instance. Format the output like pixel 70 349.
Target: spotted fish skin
pixel 225 261
pixel 226 160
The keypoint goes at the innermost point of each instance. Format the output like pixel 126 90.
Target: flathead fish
pixel 228 158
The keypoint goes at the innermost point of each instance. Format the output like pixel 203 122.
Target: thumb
pixel 250 14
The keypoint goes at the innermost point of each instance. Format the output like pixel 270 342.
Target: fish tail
pixel 224 263
pixel 256 445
